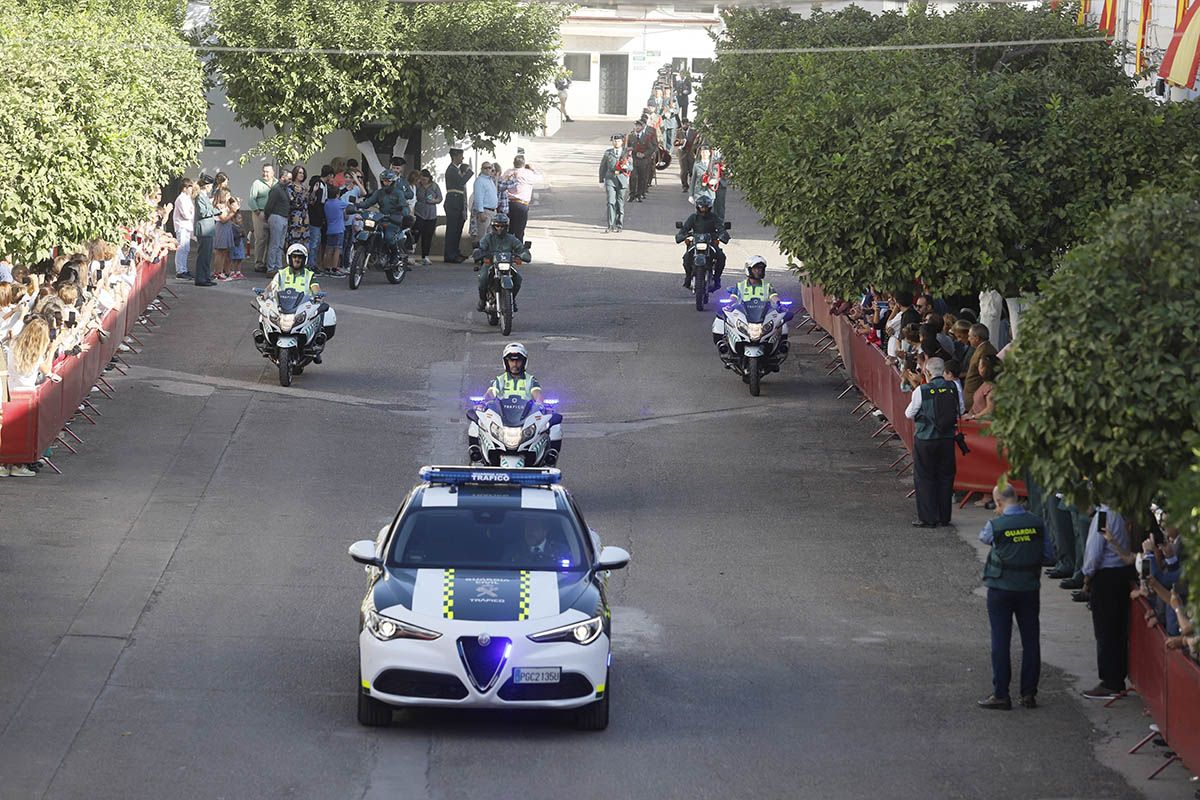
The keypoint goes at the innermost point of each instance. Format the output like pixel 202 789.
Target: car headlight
pixel 583 632
pixel 528 433
pixel 754 330
pixel 386 629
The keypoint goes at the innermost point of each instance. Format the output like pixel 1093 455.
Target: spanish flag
pixel 1084 7
pixel 1108 17
pixel 1140 58
pixel 1183 55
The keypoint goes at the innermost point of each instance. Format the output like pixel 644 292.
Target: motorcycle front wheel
pixel 285 366
pixel 700 286
pixel 754 373
pixel 358 267
pixel 506 311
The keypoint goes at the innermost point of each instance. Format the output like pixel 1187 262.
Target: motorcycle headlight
pixel 768 327
pixel 368 224
pixel 754 330
pixel 584 632
pixel 299 320
pixel 701 247
pixel 385 629
pixel 740 324
pixel 528 433
pixel 496 431
pixel 512 437
pixel 286 321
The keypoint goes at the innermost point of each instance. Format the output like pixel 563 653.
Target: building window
pixel 579 65
pixel 701 65
pixel 678 64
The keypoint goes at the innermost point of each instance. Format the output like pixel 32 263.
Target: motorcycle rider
pixel 499 240
pixel 703 220
pixel 755 287
pixel 392 200
pixel 516 382
pixel 296 275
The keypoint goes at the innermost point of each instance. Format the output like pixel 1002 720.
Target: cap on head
pixel 205 179
pixel 398 161
pixel 456 151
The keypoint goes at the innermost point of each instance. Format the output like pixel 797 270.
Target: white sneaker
pixel 426 262
pixel 20 471
pixel 3 470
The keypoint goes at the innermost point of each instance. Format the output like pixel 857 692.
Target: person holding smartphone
pixel 1107 580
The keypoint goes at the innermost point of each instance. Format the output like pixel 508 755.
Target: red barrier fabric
pixel 32 420
pixel 880 382
pixel 1183 708
pixel 1148 664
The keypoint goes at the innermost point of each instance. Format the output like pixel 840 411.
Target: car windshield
pixel 488 538
pixel 512 410
pixel 289 300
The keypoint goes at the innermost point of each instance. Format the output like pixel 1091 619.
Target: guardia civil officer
pixel 614 176
pixel 457 175
pixel 1012 575
pixel 935 407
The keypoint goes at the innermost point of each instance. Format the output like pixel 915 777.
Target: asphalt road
pixel 180 611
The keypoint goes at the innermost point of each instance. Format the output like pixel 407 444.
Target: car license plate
pixel 537 674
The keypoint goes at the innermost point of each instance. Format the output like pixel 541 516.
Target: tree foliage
pixel 1102 385
pixel 968 168
pixel 1183 509
pixel 93 113
pixel 302 97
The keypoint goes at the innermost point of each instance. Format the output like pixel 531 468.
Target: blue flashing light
pixel 725 300
pixel 553 401
pixel 785 302
pixel 476 398
pixel 565 563
pixel 495 476
pixel 507 652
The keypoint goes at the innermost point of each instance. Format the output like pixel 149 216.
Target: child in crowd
pixel 335 231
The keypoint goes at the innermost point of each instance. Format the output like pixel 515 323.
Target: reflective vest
pixel 1015 560
pixel 748 292
pixel 508 386
pixel 287 279
pixel 938 415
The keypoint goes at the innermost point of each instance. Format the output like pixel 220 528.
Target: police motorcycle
pixel 293 326
pixel 372 251
pixel 751 336
pixel 703 254
pixel 513 431
pixel 499 305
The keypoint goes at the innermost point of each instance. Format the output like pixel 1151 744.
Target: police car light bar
pixel 500 476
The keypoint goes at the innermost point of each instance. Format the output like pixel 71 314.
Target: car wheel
pixel 371 712
pixel 594 717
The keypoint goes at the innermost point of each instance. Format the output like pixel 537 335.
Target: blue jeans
pixel 314 246
pixel 1002 606
pixel 185 249
pixel 277 225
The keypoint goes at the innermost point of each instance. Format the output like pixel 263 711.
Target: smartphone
pixel 1101 520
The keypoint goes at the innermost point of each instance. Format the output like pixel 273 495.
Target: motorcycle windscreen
pixel 513 410
pixel 755 311
pixel 289 300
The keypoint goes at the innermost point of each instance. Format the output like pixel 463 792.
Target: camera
pixel 961 441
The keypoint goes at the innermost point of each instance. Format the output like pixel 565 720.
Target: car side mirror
pixel 728 226
pixel 678 225
pixel 363 552
pixel 612 558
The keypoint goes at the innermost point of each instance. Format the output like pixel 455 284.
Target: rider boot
pixel 687 274
pixel 482 304
pixel 553 452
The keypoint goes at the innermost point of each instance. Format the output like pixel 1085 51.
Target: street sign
pixel 214 142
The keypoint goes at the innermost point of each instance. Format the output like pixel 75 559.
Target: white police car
pixel 486 590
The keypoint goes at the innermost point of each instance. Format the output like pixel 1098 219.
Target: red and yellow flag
pixel 1180 10
pixel 1108 17
pixel 1183 55
pixel 1140 59
pixel 1085 6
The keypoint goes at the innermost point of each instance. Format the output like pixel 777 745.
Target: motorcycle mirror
pixel 259 291
pixel 678 225
pixel 528 245
pixel 728 226
pixel 319 295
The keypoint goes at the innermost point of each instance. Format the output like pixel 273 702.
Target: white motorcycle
pixel 751 337
pixel 292 329
pixel 514 432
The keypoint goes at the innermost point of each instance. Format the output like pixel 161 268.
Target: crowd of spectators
pixel 48 308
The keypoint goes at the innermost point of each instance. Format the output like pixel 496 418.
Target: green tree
pixel 300 97
pixel 94 112
pixel 1102 384
pixel 969 168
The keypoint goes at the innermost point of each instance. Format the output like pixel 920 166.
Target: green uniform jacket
pixel 393 203
pixel 1015 561
pixel 695 223
pixel 608 168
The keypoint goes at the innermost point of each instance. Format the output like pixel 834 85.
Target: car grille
pixel 571 686
pixel 415 683
pixel 483 662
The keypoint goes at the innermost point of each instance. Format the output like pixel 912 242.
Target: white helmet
pixel 755 261
pixel 297 249
pixel 515 349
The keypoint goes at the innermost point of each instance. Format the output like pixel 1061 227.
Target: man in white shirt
pixel 183 215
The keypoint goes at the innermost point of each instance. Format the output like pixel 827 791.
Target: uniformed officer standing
pixel 686 140
pixel 936 407
pixel 644 144
pixel 1012 575
pixel 455 204
pixel 614 176
pixel 708 178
